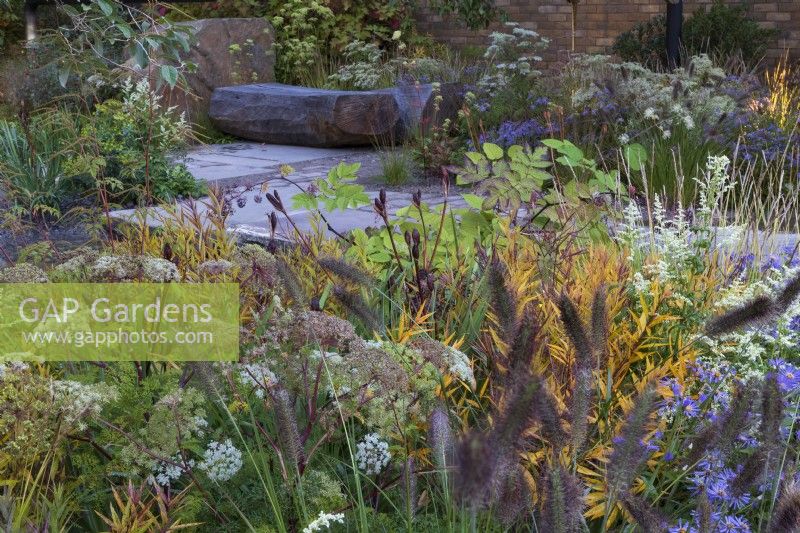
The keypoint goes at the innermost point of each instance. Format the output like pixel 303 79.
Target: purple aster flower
pixel 682 527
pixel 542 101
pixel 518 132
pixel 690 407
pixel 791 257
pixel 788 374
pixel 739 501
pixel 733 524
pixel 718 491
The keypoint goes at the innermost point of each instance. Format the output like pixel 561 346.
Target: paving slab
pixel 246 163
pixel 241 168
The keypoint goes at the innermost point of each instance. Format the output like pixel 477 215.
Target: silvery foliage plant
pixel 512 56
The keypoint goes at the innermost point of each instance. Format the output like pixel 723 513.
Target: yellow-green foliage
pixel 783 104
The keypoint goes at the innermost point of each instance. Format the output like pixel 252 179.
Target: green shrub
pixel 133 137
pixel 691 96
pixel 721 30
pixel 365 68
pixel 726 30
pixel 644 43
pixel 11 27
pixel 310 33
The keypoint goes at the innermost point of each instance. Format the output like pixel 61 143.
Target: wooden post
pixel 30 20
pixel 673 32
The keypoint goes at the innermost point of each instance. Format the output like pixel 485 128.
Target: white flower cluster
pixel 79 401
pixel 221 461
pixel 748 351
pixel 258 376
pixel 364 66
pixel 631 230
pixel 372 454
pixel 331 358
pixel 512 55
pixel 334 386
pixel 323 521
pixel 682 98
pixel 197 425
pixel 674 240
pixel 713 187
pixel 138 101
pixel 165 473
pixel 124 267
pixel 459 365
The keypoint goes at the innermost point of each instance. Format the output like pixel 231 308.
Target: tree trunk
pixel 673 32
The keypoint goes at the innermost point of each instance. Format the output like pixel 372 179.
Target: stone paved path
pixel 240 166
pixel 244 163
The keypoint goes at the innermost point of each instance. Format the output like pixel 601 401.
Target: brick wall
pixel 600 21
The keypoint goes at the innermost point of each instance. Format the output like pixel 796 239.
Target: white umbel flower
pixel 165 473
pixel 323 521
pixel 372 454
pixel 459 365
pixel 221 461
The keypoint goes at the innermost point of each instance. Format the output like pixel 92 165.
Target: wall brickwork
pixel 600 21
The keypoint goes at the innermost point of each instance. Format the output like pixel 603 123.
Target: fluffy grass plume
pixel 560 501
pixel 288 431
pixel 576 331
pixel 476 464
pixel 522 348
pixel 588 347
pixel 409 484
pixel 789 294
pixel 356 305
pixel 440 439
pixel 772 411
pixel 600 325
pixel 291 284
pixel 766 455
pixel 786 516
pixel 504 302
pixel 346 271
pixel 648 519
pixel 629 452
pixel 757 310
pixel 514 498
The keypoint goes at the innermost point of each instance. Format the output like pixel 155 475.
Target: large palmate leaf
pixel 507 180
pixel 336 191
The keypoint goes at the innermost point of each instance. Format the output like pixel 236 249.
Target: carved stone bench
pixel 287 114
